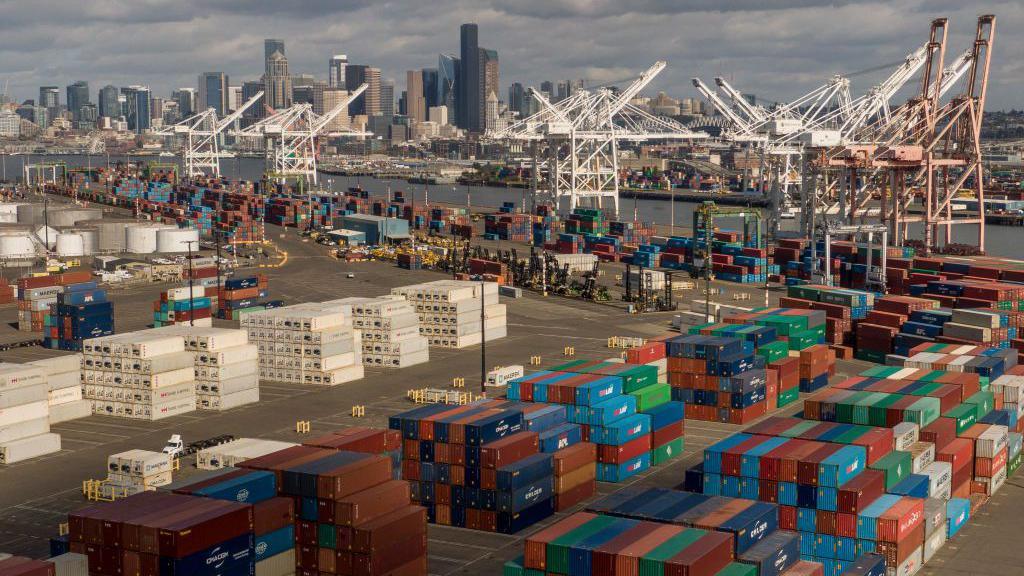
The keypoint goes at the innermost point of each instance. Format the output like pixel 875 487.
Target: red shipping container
pixel 896 523
pixel 610 454
pixel 708 555
pixel 535 547
pixel 375 535
pixel 861 490
pixel 508 450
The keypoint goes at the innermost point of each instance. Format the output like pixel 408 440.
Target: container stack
pixel 64 385
pixel 134 471
pixel 195 533
pixel 449 311
pixel 237 451
pixel 184 305
pixel 37 293
pixel 24 414
pixel 720 379
pixel 82 311
pixel 22 566
pixel 226 366
pixel 351 516
pixel 146 375
pixel 306 344
pixel 897 323
pixel 478 466
pixel 799 328
pixel 243 296
pixel 390 330
pixel 986 362
pixel 273 516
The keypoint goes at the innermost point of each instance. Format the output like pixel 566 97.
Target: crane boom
pixel 230 119
pixel 326 119
pixel 755 113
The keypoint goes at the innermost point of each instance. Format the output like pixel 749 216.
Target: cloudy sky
pixel 777 49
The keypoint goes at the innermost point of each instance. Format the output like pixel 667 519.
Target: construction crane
pixel 291 137
pixel 582 135
pixel 201 134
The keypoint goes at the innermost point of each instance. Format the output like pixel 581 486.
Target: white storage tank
pixel 177 240
pixel 68 216
pixel 69 244
pixel 141 238
pixel 90 240
pixel 17 245
pixel 8 213
pixel 47 235
pixel 113 234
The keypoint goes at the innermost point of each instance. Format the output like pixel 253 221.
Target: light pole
pixel 672 210
pixel 191 302
pixel 483 337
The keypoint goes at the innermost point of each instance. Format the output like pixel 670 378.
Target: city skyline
pixel 805 42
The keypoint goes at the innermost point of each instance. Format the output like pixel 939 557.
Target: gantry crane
pixel 582 135
pixel 201 134
pixel 291 137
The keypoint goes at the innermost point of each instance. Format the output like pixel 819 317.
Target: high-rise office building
pixel 469 103
pixel 234 98
pixel 448 69
pixel 49 96
pixel 491 111
pixel 489 82
pixel 277 83
pixel 336 71
pixel 387 99
pixel 430 79
pixel 255 112
pixel 369 102
pixel 213 92
pixel 517 99
pixel 138 109
pixel 415 103
pixel 187 100
pixel 328 99
pixel 78 96
pixel 438 115
pixel 271 45
pixel 109 107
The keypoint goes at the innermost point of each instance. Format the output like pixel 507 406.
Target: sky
pixel 775 49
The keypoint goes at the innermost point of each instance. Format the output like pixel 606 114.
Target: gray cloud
pixel 777 49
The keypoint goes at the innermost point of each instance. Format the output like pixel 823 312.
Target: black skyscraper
pixel 468 105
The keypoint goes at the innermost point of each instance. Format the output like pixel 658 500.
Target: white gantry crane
pixel 291 136
pixel 582 135
pixel 201 134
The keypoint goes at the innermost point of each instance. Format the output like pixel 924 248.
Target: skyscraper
pixel 254 112
pixel 517 99
pixel 49 96
pixel 109 105
pixel 430 78
pixel 489 83
pixel 78 96
pixel 213 92
pixel 186 99
pixel 369 102
pixel 547 87
pixel 416 104
pixel 387 99
pixel 137 108
pixel 271 45
pixel 448 70
pixel 327 99
pixel 469 103
pixel 277 82
pixel 336 71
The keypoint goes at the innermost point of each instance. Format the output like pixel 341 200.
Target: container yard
pixel 361 385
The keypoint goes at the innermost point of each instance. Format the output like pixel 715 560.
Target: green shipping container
pixel 787 397
pixel 652 396
pixel 869 355
pixel 799 429
pixel 513 568
pixel 1014 464
pixel 557 551
pixel 773 351
pixel 983 401
pixel 327 536
pixel 653 563
pixel 966 415
pixel 896 465
pixel 803 339
pixel 738 569
pixel 666 452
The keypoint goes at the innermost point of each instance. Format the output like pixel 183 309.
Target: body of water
pixel 1000 240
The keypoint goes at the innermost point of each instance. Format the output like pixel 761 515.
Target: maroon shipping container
pixel 602 558
pixel 861 490
pixel 575 495
pixel 217 523
pixel 535 548
pixel 877 442
pixel 281 460
pixel 508 450
pixel 574 457
pixel 306 533
pixel 896 552
pixel 21 566
pixel 353 477
pixel 377 534
pixel 707 555
pixel 357 439
pixel 611 454
pixel 400 550
pixel 807 467
pixel 273 514
pixel 371 503
pixel 940 432
pixel 142 532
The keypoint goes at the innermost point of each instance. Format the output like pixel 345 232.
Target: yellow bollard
pixel 458 382
pixel 569 351
pixel 612 341
pixel 302 427
pixel 535 360
pixel 358 411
